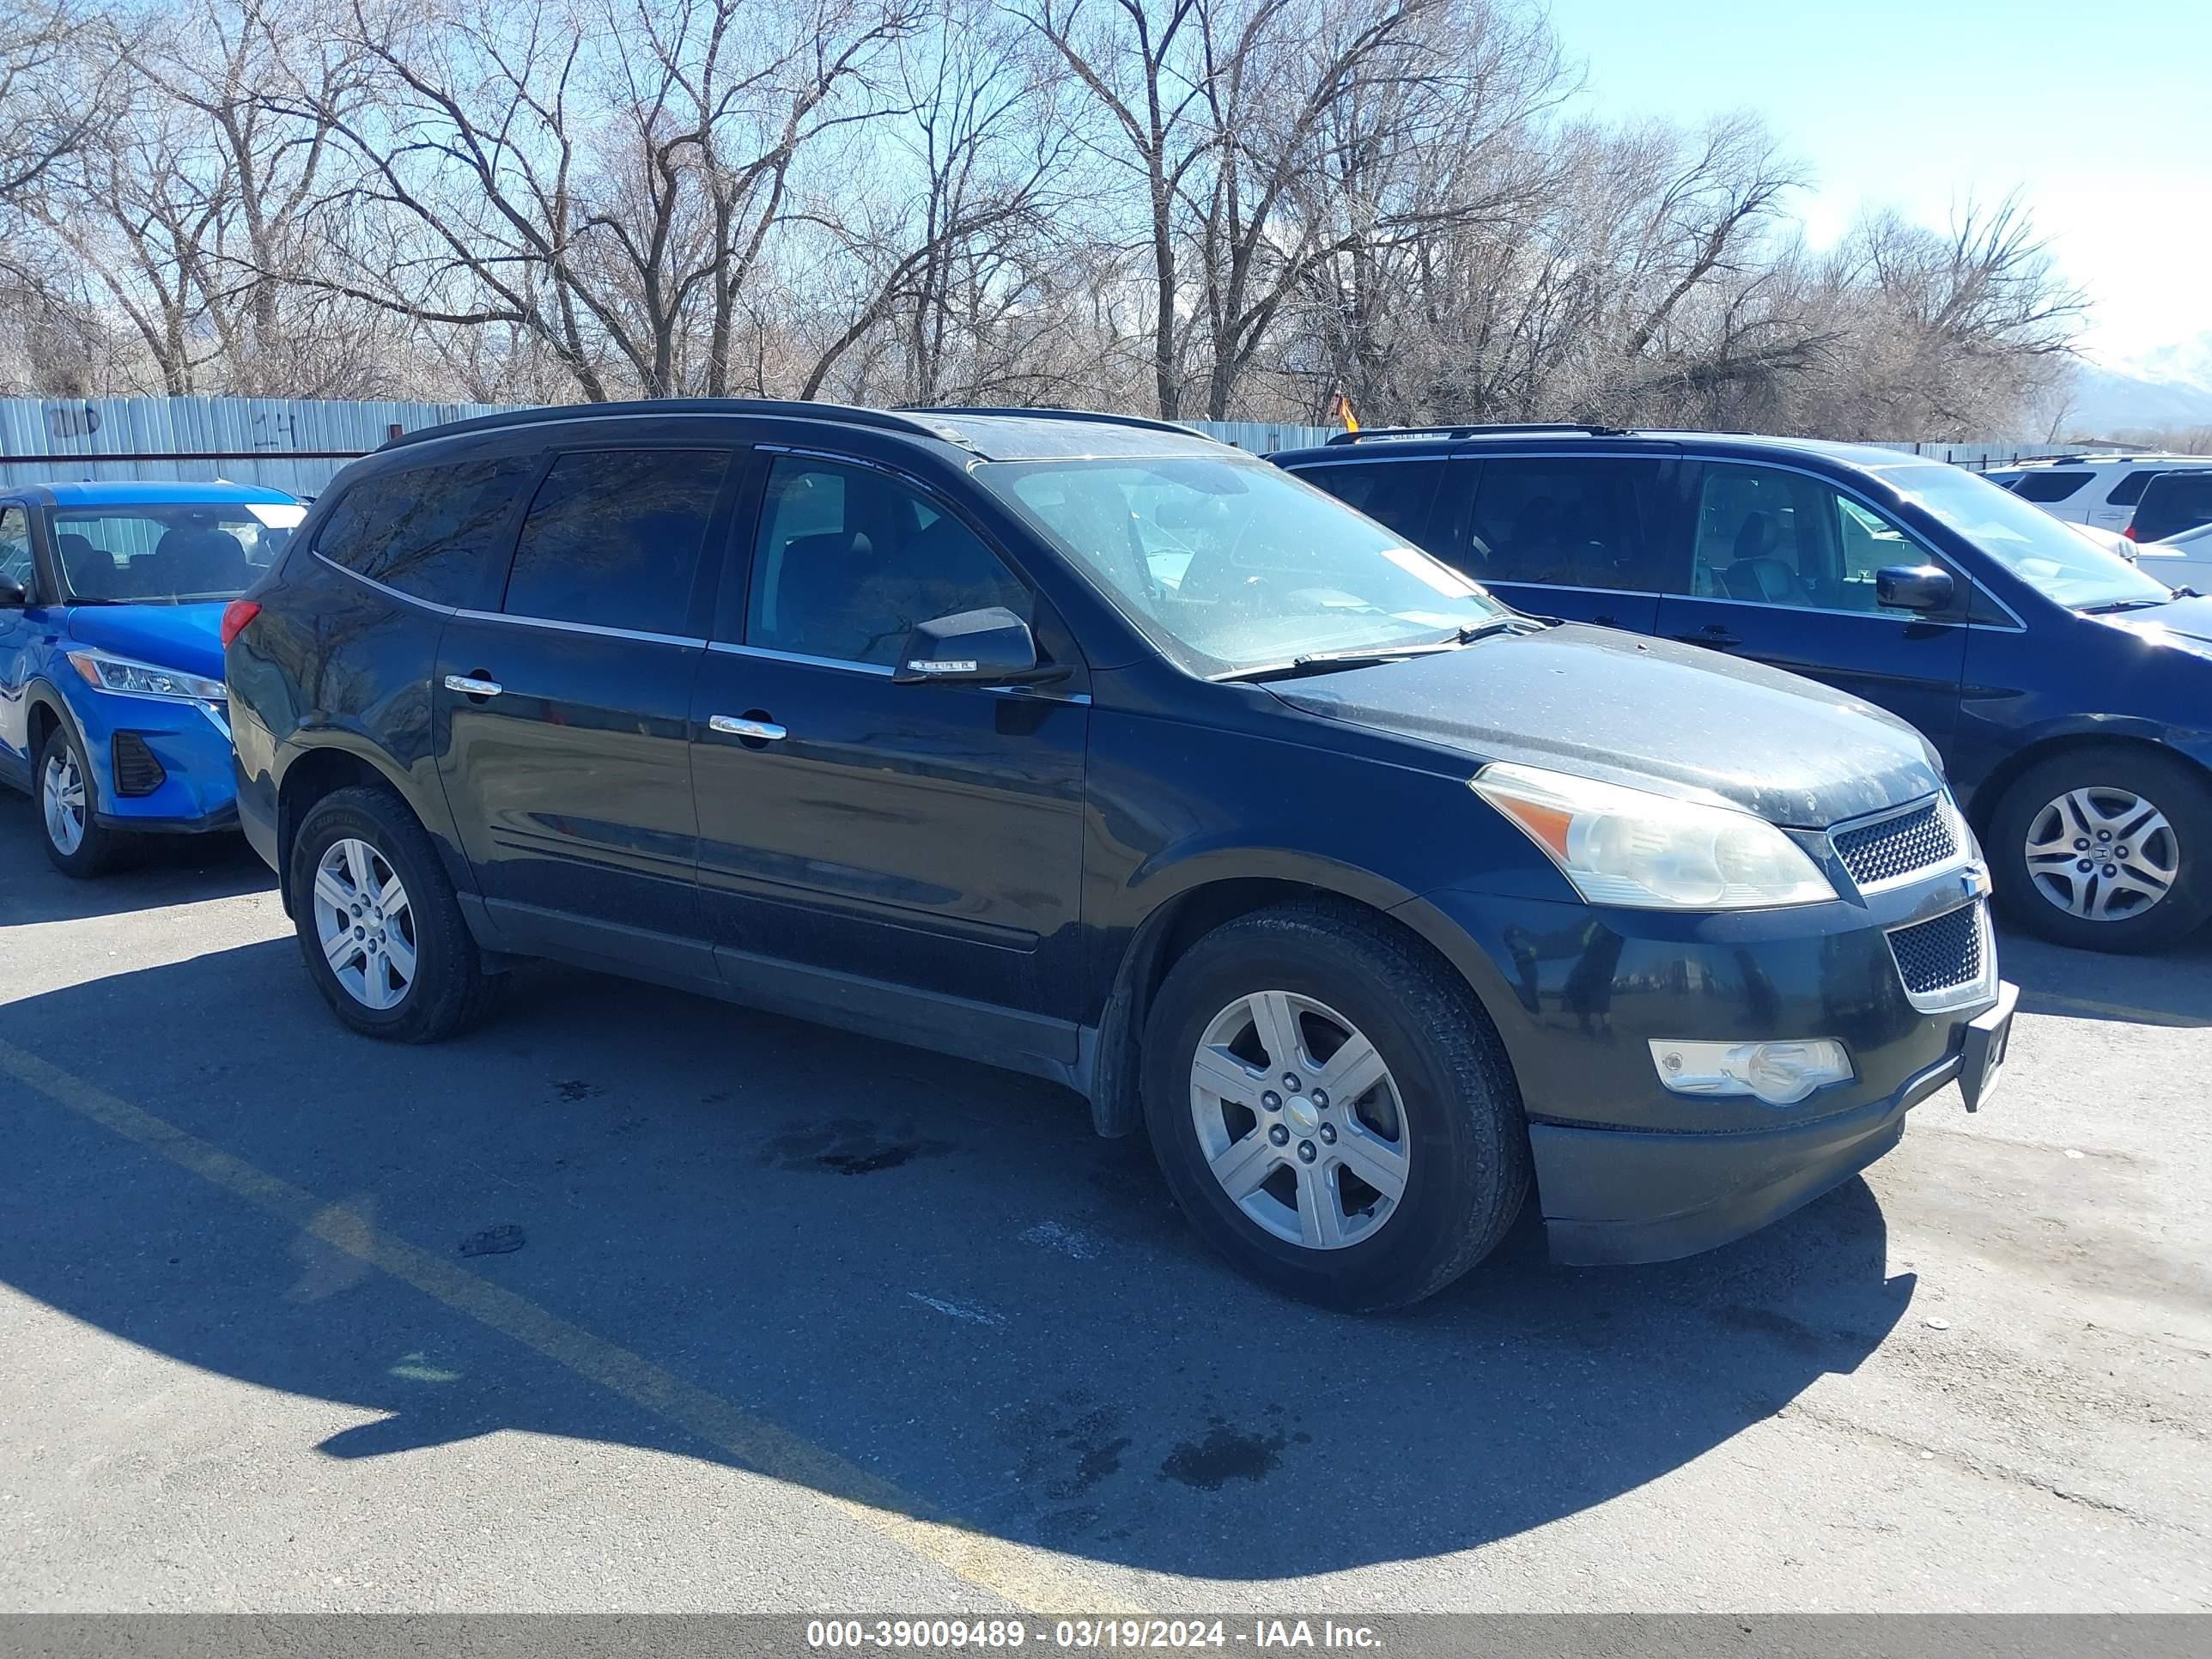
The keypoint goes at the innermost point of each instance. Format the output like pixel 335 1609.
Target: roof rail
pixel 1014 409
pixel 1479 429
pixel 848 414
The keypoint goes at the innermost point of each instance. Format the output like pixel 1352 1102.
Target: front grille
pixel 137 771
pixel 1896 847
pixel 1945 955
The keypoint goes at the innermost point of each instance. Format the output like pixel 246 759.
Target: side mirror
pixel 1913 586
pixel 12 597
pixel 991 647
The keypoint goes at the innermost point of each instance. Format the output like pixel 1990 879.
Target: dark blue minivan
pixel 2068 694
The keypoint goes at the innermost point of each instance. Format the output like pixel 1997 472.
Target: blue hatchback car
pixel 2068 694
pixel 113 711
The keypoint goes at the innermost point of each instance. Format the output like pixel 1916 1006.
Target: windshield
pixel 1229 565
pixel 169 552
pixel 2039 550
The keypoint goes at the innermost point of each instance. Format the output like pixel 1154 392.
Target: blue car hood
pixel 186 637
pixel 2189 619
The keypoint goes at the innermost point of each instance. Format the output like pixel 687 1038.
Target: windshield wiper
pixel 2112 605
pixel 1368 656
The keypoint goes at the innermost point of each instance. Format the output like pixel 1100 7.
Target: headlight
pixel 1621 846
pixel 143 679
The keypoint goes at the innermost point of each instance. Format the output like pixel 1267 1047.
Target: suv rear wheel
pixel 377 921
pixel 2106 849
pixel 1332 1109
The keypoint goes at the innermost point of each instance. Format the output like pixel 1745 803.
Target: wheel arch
pixel 45 708
pixel 1190 900
pixel 313 774
pixel 1988 794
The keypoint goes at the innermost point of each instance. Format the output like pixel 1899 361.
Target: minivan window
pixel 849 560
pixel 613 538
pixel 2038 549
pixel 1567 523
pixel 430 531
pixel 1230 565
pixel 2045 486
pixel 1394 493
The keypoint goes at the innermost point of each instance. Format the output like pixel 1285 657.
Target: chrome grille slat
pixel 1946 959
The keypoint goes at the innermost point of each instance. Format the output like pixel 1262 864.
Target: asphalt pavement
pixel 630 1300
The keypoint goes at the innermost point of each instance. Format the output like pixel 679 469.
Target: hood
pixel 185 637
pixel 1674 719
pixel 2185 622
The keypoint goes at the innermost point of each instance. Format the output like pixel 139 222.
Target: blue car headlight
pixel 146 679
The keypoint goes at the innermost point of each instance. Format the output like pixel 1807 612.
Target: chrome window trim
pixel 1821 610
pixel 763 652
pixel 1981 989
pixel 385 588
pixel 599 631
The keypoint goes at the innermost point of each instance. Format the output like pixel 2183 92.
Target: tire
pixel 443 989
pixel 2097 796
pixel 1450 1090
pixel 62 762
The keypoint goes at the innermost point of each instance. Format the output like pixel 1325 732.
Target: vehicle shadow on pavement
pixel 158 870
pixel 2173 987
pixel 932 1271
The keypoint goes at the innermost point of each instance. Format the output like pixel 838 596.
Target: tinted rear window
pixel 2173 502
pixel 2130 490
pixel 432 531
pixel 1395 493
pixel 2048 486
pixel 614 539
pixel 1567 523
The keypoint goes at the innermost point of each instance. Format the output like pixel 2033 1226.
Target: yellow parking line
pixel 2049 1002
pixel 1030 1579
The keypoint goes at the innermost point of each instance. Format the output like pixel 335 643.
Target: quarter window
pixel 1771 537
pixel 2130 490
pixel 431 532
pixel 849 560
pixel 1567 523
pixel 16 547
pixel 1393 493
pixel 614 539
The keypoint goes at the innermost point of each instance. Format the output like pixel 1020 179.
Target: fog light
pixel 1779 1073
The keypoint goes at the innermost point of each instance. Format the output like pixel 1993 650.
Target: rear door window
pixel 1568 523
pixel 2130 490
pixel 1398 494
pixel 614 539
pixel 2045 487
pixel 431 532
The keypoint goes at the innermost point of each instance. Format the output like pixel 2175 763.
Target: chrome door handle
pixel 470 686
pixel 761 731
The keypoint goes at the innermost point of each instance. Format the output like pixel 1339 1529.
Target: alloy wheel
pixel 365 924
pixel 2102 853
pixel 61 800
pixel 1299 1120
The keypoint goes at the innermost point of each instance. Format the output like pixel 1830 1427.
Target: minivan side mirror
pixel 990 646
pixel 12 596
pixel 1913 586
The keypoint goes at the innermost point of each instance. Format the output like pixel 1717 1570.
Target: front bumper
pixel 1629 1171
pixel 196 794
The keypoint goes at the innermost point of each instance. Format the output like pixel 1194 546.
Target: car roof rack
pixel 1479 429
pixel 1019 412
pixel 785 409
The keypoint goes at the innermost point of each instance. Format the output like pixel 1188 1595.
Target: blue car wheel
pixel 68 801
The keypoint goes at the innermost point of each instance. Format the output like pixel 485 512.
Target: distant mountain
pixel 2168 388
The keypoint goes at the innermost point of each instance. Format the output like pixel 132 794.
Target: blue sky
pixel 2101 116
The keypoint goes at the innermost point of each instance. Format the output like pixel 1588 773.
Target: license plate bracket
pixel 1982 1054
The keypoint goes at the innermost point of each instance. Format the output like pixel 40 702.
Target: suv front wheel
pixel 377 921
pixel 1332 1109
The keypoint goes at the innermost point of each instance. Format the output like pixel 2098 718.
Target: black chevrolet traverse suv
pixel 1092 749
